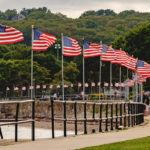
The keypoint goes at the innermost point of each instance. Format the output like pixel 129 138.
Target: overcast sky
pixel 74 8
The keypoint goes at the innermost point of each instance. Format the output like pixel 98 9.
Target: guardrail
pixel 126 114
pixel 16 121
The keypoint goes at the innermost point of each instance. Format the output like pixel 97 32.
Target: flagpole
pixel 32 63
pixel 141 90
pixel 120 81
pixel 83 73
pixel 110 78
pixel 62 66
pixel 100 74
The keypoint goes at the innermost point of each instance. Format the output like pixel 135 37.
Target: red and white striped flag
pixel 23 88
pixel 143 68
pixel 16 88
pixel 116 84
pixel 7 89
pixel 10 35
pixel 108 53
pixel 86 84
pixel 44 86
pixel 106 84
pixel 71 47
pixel 65 86
pixel 122 85
pixel 93 84
pixel 58 86
pixel 51 86
pixel 31 87
pixel 98 84
pixel 91 49
pixel 37 86
pixel 79 84
pixel 41 41
pixel 120 57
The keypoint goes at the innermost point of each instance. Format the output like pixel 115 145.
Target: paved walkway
pixel 81 141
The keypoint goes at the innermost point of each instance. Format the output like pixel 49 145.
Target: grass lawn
pixel 138 144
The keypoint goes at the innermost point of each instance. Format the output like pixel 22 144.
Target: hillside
pixel 94 26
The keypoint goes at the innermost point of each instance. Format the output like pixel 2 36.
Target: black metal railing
pixel 16 121
pixel 110 116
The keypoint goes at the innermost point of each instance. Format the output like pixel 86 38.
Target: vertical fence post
pixel 124 114
pixel 85 126
pixel 106 128
pixel 128 114
pixel 100 117
pixel 121 114
pixel 1 135
pixel 143 107
pixel 75 116
pixel 134 113
pixel 64 104
pixel 112 116
pixel 117 116
pixel 33 123
pixel 137 114
pixel 16 120
pixel 52 118
pixel 94 111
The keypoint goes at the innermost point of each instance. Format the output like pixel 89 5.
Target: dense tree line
pixel 94 26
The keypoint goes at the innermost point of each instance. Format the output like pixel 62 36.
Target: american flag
pixel 41 41
pixel 106 84
pixel 16 88
pixel 58 86
pixel 143 68
pixel 116 84
pixel 65 86
pixel 91 49
pixel 7 89
pixel 9 35
pixel 120 57
pixel 44 86
pixel 37 86
pixel 98 84
pixel 51 86
pixel 31 87
pixel 23 88
pixel 71 47
pixel 122 85
pixel 86 84
pixel 93 84
pixel 79 84
pixel 108 53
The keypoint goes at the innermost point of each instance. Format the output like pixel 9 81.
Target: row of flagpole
pixel 100 67
pixel 37 36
